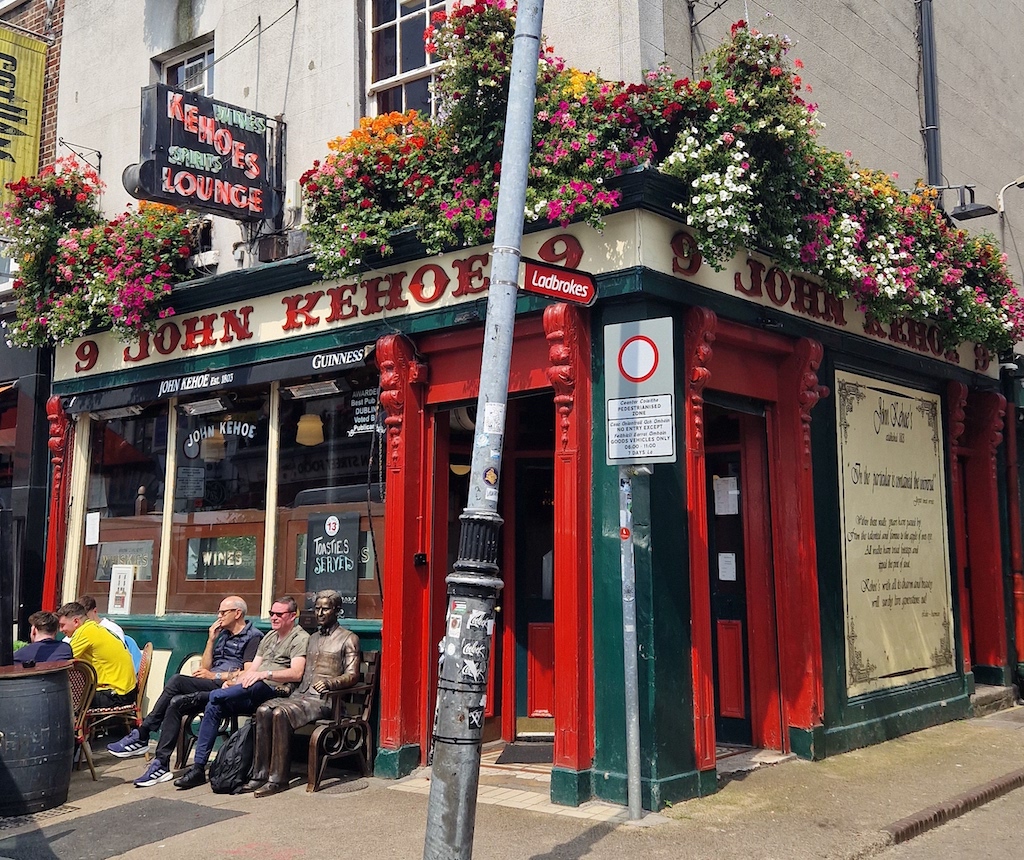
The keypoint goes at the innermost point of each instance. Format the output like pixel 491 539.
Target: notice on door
pixel 639 392
pixel 896 575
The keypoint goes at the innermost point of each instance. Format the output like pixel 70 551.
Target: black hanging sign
pixel 201 154
pixel 332 550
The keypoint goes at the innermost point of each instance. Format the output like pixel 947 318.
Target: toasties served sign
pixel 197 153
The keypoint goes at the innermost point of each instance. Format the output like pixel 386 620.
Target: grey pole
pixel 475 580
pixel 629 648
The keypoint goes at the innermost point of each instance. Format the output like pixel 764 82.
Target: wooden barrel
pixel 37 738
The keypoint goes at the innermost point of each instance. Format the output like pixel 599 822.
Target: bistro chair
pixel 82 677
pixel 130 714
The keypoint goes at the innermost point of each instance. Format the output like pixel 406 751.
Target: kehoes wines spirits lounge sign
pixel 201 154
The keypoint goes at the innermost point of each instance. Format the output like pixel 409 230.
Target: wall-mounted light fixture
pixel 320 388
pixel 1019 182
pixel 966 209
pixel 204 407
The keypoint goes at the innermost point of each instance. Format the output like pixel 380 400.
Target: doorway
pixel 742 590
pixel 521 682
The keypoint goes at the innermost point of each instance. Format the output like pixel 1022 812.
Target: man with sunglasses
pixel 277 668
pixel 230 646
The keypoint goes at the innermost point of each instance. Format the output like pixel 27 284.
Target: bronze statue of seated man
pixel 332 663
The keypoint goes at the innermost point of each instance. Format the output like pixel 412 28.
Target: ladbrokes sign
pixel 201 154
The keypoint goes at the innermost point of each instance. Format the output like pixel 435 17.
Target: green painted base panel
pixel 394 764
pixel 994 676
pixel 808 743
pixel 655 794
pixel 840 739
pixel 570 787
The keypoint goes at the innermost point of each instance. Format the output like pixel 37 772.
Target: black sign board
pixel 332 553
pixel 201 154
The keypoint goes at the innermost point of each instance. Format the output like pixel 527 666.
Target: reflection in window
pixel 222 456
pixel 128 456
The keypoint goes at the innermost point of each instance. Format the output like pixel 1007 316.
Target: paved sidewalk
pixel 839 808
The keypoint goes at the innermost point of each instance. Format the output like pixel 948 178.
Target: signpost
pixel 640 415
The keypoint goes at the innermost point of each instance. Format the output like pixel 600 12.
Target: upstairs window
pixel 191 70
pixel 401 67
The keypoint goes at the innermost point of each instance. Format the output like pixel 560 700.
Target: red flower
pixel 704 86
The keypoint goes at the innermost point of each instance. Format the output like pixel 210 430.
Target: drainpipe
pixel 930 92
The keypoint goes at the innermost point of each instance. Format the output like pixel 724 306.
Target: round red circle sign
pixel 624 533
pixel 638 358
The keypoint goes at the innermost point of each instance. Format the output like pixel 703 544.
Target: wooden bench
pixel 348 732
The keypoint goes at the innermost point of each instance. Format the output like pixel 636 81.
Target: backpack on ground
pixel 233 766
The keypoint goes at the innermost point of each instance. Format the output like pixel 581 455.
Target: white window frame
pixel 201 53
pixel 401 78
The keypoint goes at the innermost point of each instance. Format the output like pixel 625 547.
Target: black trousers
pixel 110 699
pixel 166 713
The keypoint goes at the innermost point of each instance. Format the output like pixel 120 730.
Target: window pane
pixel 417 96
pixel 124 499
pixel 414 54
pixel 389 100
pixel 220 497
pixel 384 55
pixel 383 11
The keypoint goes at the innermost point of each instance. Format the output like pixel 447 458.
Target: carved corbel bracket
pixel 956 406
pixel 399 369
pixel 561 328
pixel 700 334
pixel 808 355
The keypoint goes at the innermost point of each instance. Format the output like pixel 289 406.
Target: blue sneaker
pixel 156 772
pixel 131 744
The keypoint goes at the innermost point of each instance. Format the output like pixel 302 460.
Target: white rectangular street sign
pixel 640 392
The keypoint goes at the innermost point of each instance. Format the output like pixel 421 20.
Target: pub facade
pixel 824 565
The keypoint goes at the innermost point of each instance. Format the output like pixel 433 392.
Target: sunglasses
pixel 279 614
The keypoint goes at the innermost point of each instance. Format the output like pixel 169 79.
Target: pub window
pixel 124 500
pixel 190 70
pixel 401 68
pixel 329 486
pixel 220 496
pixel 8 441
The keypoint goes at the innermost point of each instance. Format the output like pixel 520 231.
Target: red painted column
pixel 62 435
pixel 568 340
pixel 700 332
pixel 402 386
pixel 988 606
pixel 956 402
pixel 796 582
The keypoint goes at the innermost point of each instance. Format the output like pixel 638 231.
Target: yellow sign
pixel 22 69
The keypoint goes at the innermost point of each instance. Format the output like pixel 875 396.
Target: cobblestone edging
pixel 933 816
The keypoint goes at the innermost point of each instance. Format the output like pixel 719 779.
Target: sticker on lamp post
pixel 554 282
pixel 639 392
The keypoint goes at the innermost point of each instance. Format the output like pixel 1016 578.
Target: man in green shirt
pixel 278 666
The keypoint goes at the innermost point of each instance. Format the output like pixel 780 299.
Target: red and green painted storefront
pixel 761 596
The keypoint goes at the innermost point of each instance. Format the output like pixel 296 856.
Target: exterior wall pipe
pixel 475 581
pixel 930 91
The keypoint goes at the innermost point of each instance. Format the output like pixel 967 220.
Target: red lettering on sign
pixel 471 278
pixel 236 324
pixel 686 259
pixel 87 352
pixel 562 250
pixel 199 331
pixel 166 338
pixel 756 274
pixel 298 310
pixel 142 349
pixel 438 283
pixel 341 302
pixel 776 285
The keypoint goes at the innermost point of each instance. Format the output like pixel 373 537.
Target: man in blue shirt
pixel 43 647
pixel 230 646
